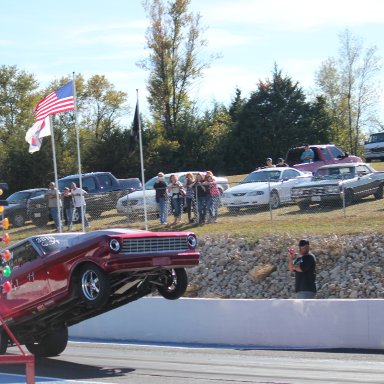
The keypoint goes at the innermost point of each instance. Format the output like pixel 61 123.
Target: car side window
pixel 325 153
pixel 22 254
pixel 89 184
pixel 362 170
pixel 290 174
pixel 38 193
pixel 104 181
pixel 336 152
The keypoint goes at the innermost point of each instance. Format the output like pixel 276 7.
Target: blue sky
pixel 52 39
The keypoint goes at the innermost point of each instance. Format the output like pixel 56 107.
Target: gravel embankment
pixel 348 266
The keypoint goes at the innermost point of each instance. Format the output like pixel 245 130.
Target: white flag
pixel 35 134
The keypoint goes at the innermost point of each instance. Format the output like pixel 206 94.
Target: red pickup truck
pixel 324 154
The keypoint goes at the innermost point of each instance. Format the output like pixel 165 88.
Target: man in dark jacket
pixel 304 267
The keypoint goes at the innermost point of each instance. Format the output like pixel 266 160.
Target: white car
pixel 267 186
pixel 133 203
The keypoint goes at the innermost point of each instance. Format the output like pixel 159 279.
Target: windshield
pixel 335 173
pixel 17 197
pixel 150 183
pixel 376 138
pixel 51 243
pixel 262 176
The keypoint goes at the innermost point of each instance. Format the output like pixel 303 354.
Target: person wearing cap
pixel 269 163
pixel 161 197
pixel 281 162
pixel 304 266
pixel 308 155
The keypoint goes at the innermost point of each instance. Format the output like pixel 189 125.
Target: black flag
pixel 134 131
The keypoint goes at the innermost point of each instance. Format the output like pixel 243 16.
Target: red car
pixel 61 279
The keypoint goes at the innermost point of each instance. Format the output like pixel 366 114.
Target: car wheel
pixel 275 200
pixel 303 205
pixel 379 193
pixel 95 214
pixel 174 283
pixel 348 196
pixel 40 222
pixel 75 216
pixel 50 345
pixel 18 220
pixel 94 286
pixel 3 343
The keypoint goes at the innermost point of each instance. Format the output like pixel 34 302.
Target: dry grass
pixel 365 216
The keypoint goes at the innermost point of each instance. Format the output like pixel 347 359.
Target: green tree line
pixel 227 139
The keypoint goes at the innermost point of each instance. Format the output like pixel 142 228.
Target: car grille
pixel 313 191
pixel 379 149
pixel 157 244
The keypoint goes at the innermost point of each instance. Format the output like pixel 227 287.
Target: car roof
pixel 342 165
pixel 83 175
pixel 31 190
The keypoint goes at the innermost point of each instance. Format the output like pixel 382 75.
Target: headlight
pixel 333 189
pixel 114 245
pixel 296 192
pixel 255 193
pixel 192 241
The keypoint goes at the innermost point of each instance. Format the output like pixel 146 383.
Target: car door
pixel 30 286
pixel 366 182
pixel 289 180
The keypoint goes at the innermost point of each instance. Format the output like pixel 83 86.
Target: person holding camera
pixel 161 197
pixel 304 267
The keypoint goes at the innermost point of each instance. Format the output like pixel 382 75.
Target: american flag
pixel 58 101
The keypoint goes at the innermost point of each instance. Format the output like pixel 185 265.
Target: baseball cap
pixel 160 174
pixel 269 159
pixel 303 242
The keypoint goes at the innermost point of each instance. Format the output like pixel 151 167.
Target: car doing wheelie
pixel 60 279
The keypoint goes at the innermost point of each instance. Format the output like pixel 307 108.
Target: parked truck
pixel 103 190
pixel 324 154
pixel 374 147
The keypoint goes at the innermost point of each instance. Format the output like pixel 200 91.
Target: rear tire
pixel 50 345
pixel 3 342
pixel 303 205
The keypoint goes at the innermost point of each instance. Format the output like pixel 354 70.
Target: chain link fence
pixel 140 210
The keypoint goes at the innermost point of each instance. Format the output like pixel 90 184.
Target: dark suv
pixel 103 190
pixel 16 210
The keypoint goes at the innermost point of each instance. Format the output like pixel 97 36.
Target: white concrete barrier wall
pixel 251 323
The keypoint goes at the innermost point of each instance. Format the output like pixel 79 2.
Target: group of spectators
pixel 200 195
pixel 71 199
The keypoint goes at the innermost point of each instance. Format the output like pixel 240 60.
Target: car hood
pixel 140 194
pixel 248 187
pixel 319 183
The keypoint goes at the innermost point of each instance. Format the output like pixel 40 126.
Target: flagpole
pixel 55 172
pixel 78 155
pixel 141 161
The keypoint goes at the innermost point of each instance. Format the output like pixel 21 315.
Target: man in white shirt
pixel 79 202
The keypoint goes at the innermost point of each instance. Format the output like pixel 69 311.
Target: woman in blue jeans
pixel 201 197
pixel 176 192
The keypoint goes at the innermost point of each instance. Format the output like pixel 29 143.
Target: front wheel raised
pixel 51 344
pixel 94 286
pixel 174 283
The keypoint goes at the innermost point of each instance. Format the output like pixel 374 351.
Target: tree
pixel 276 117
pixel 174 40
pixel 349 85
